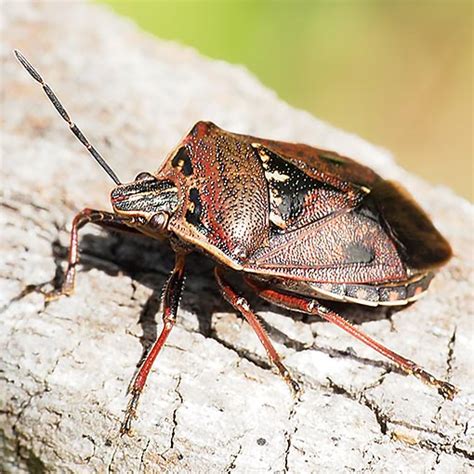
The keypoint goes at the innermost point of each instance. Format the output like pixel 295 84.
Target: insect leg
pixel 241 305
pixel 311 306
pixel 171 295
pixel 102 218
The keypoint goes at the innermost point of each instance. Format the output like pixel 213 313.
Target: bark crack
pixel 446 446
pixel 290 433
pixel 112 459
pixel 94 447
pixel 463 452
pixel 381 417
pixel 449 368
pixel 361 398
pixel 142 457
pixel 233 458
pixel 450 358
pixel 175 411
pixel 242 353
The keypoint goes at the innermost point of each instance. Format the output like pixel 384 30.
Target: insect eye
pixel 158 221
pixel 144 175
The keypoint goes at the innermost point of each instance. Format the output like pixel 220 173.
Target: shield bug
pixel 300 224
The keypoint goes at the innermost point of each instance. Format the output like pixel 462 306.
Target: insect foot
pixel 445 389
pixel 130 412
pixel 49 295
pixel 292 383
pixel 55 294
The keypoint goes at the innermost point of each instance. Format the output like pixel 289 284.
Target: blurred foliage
pixel 398 73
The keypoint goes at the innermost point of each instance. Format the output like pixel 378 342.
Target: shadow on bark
pixel 149 262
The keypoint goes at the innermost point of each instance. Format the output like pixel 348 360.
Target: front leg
pixel 102 218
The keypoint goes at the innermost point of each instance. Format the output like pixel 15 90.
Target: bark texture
pixel 212 404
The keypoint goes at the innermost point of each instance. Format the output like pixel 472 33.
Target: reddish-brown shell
pixel 291 211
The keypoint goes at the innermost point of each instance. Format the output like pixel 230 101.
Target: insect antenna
pixel 62 111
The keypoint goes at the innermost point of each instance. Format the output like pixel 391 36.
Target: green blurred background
pixel 398 73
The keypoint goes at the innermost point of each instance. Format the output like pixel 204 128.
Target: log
pixel 212 402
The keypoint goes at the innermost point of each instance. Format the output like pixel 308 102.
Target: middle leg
pixel 171 296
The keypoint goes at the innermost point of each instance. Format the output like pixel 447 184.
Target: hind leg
pixel 241 305
pixel 312 306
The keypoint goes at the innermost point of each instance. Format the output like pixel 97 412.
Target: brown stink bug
pixel 301 225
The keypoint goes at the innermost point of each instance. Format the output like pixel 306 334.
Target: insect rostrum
pixel 301 225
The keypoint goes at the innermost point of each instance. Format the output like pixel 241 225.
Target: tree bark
pixel 212 404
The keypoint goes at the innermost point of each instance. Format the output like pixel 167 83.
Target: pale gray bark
pixel 211 403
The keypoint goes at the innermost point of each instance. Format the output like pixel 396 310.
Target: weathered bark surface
pixel 212 403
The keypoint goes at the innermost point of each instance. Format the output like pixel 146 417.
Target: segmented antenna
pixel 62 111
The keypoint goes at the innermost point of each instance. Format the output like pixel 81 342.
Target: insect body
pixel 301 225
